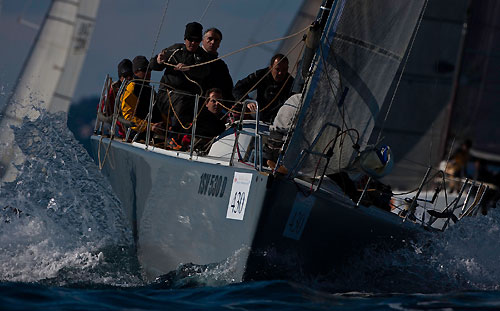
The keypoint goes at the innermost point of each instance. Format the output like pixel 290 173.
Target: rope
pixel 288 78
pixel 260 80
pixel 177 117
pixel 238 101
pixel 185 75
pixel 101 164
pixel 243 49
pixel 214 60
pixel 402 70
pixel 231 53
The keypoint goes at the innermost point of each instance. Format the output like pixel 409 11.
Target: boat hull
pixel 302 235
pixel 182 211
pixel 176 214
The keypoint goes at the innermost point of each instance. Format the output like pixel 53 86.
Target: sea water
pixel 64 246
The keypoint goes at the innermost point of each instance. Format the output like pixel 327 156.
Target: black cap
pixel 193 31
pixel 125 68
pixel 140 63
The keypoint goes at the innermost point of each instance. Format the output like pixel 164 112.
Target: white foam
pixel 60 214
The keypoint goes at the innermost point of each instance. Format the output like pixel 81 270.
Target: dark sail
pixel 476 108
pixel 419 114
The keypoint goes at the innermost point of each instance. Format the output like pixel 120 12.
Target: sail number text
pixel 212 185
pixel 237 202
pixel 239 195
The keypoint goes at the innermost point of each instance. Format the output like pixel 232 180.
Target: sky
pixel 126 28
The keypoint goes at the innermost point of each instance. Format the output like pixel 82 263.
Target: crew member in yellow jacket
pixel 136 99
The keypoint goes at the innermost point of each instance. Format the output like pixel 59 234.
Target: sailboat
pixel 213 207
pixel 50 74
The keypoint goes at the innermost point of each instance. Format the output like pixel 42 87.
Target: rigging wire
pixel 263 21
pixel 21 20
pixel 206 9
pixel 260 80
pixel 154 46
pixel 235 102
pixel 159 28
pixel 335 99
pixel 115 115
pixel 402 70
pixel 234 52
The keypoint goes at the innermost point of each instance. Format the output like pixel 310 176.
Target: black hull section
pixel 333 233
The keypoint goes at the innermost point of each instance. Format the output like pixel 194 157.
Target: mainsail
pixel 66 27
pixel 361 49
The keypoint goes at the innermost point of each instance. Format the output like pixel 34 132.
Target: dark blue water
pixel 270 295
pixel 64 246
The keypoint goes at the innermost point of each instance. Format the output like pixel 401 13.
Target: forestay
pixel 361 49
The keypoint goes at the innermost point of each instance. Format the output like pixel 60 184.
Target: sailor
pixel 219 72
pixel 457 164
pixel 180 82
pixel 209 122
pixel 273 85
pixel 135 99
pixel 277 131
pixel 125 73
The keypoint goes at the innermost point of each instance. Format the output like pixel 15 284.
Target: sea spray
pixel 469 251
pixel 59 219
pixel 464 257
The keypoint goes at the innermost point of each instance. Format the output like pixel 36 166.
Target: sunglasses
pixel 193 39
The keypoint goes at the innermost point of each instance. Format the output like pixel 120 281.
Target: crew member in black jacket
pixel 219 73
pixel 272 91
pixel 182 83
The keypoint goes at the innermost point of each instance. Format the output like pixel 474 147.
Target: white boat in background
pixel 50 73
pixel 211 206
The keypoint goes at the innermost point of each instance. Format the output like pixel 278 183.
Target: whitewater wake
pixel 61 224
pixel 59 220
